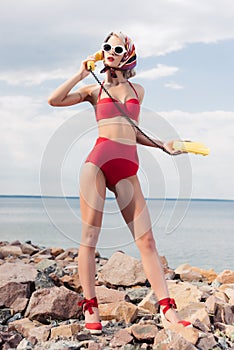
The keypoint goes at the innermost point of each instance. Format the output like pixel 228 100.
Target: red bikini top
pixel 106 108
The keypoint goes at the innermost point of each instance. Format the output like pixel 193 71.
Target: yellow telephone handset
pixel 193 147
pixel 98 57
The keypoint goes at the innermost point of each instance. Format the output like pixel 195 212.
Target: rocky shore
pixel 40 289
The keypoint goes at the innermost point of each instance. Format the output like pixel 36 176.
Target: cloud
pixel 30 77
pixel 159 71
pixel 174 86
pixel 48 33
pixel 211 174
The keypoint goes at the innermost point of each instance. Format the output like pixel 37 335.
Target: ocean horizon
pixel 196 231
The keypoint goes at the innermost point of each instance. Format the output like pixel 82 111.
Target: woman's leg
pixel 136 215
pixel 92 197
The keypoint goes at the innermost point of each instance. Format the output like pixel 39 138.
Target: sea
pixel 197 232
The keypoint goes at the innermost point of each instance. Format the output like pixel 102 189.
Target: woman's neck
pixel 115 81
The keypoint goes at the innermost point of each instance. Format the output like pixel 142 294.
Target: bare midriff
pixel 117 129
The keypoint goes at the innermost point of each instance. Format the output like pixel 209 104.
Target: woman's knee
pixel 90 235
pixel 146 242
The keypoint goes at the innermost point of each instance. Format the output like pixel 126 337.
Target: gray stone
pixel 207 343
pixel 136 295
pixel 17 272
pixel 122 270
pixel 53 303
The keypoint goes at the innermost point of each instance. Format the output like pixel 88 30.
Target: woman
pixel 113 163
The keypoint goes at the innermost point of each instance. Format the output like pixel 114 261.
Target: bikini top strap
pixel 133 89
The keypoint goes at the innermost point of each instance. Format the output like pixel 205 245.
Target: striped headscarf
pixel 129 59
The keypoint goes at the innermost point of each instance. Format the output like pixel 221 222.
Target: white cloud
pixel 35 76
pixel 211 174
pixel 159 71
pixel 30 77
pixel 174 86
pixel 59 28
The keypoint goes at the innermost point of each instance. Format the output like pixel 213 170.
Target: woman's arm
pixel 143 140
pixel 63 96
pixel 164 146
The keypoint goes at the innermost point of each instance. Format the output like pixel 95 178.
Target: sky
pixel 185 52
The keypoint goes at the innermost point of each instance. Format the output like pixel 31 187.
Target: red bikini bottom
pixel 116 160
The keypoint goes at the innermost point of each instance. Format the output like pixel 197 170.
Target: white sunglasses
pixel 118 49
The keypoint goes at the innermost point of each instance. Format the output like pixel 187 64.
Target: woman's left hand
pixel 168 148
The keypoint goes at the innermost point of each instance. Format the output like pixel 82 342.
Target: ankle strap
pixel 88 304
pixel 169 303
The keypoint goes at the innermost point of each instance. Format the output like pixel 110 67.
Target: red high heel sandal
pixel 87 305
pixel 169 303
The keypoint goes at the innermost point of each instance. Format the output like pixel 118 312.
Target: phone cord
pixel 126 116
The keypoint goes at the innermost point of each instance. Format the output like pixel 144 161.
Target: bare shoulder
pixel 140 91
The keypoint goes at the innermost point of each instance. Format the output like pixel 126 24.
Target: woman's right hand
pixel 83 68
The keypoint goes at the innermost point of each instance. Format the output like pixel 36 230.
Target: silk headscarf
pixel 129 59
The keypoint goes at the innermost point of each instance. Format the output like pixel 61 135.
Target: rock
pixel 227 329
pixel 122 270
pixel 229 292
pixel 207 275
pixel 10 250
pixel 9 340
pixel 39 257
pixel 191 273
pixel 121 311
pixel 17 272
pixel 65 331
pixel 15 295
pixel 227 276
pixel 199 325
pixel 189 333
pixel 40 333
pixel 120 338
pixel 187 273
pixel 28 249
pixel 184 293
pixel 207 343
pixel 15 317
pixel 161 340
pixel 144 331
pixel 25 345
pixel 56 303
pixel 20 304
pixel 56 251
pixel 22 326
pixel 169 273
pixel 5 314
pixel 106 295
pixel 224 313
pixel 94 346
pixel 43 280
pixel 177 341
pixel 72 282
pixel 195 311
pixel 136 295
pixel 221 296
pixel 149 302
pixel 69 254
pixel 211 304
pixel 46 264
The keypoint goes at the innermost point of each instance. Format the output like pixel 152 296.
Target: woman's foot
pixel 90 310
pixel 168 314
